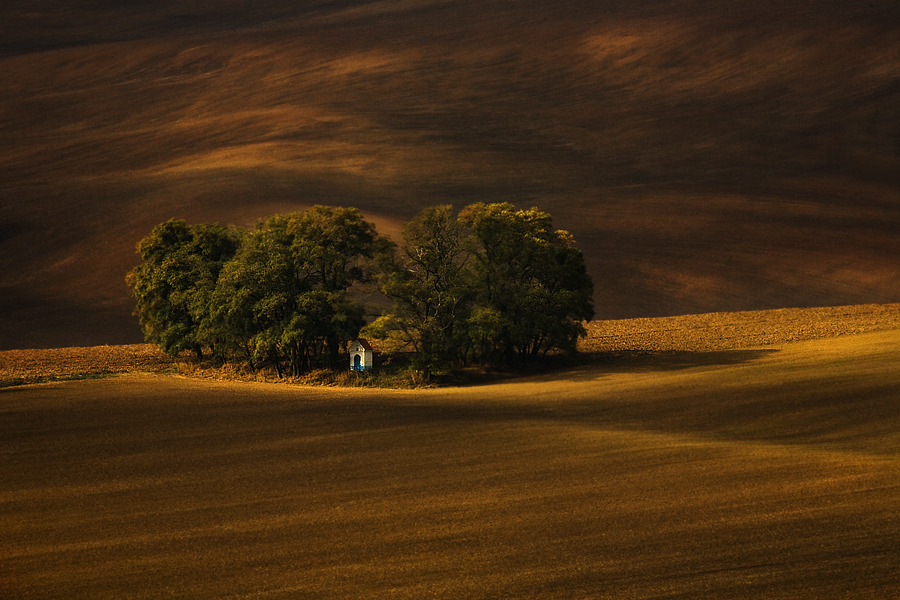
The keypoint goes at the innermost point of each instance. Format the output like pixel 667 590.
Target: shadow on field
pixel 591 366
pixel 650 362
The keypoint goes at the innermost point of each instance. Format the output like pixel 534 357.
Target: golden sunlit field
pixel 661 470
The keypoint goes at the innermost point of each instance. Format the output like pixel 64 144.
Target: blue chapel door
pixel 357 362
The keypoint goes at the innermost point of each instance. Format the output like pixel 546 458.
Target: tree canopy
pixel 283 299
pixel 172 286
pixel 492 285
pixel 430 284
pixel 533 290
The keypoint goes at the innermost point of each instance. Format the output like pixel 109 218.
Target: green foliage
pixel 173 284
pixel 533 290
pixel 283 299
pixel 493 284
pixel 429 284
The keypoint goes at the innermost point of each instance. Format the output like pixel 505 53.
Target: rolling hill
pixel 747 472
pixel 707 156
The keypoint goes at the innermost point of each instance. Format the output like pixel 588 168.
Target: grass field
pixel 747 472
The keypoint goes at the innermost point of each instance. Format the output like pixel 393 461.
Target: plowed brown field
pixel 725 331
pixel 707 156
pixel 31 366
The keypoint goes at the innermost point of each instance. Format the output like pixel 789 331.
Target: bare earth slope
pixel 766 472
pixel 707 156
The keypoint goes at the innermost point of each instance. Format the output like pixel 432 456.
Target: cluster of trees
pixel 491 285
pixel 276 294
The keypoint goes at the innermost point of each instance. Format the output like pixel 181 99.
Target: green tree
pixel 533 290
pixel 339 248
pixel 495 284
pixel 429 284
pixel 283 299
pixel 172 285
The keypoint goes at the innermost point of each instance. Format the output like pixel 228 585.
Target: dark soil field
pixel 720 469
pixel 707 156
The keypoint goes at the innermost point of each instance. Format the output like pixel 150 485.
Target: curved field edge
pixel 708 332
